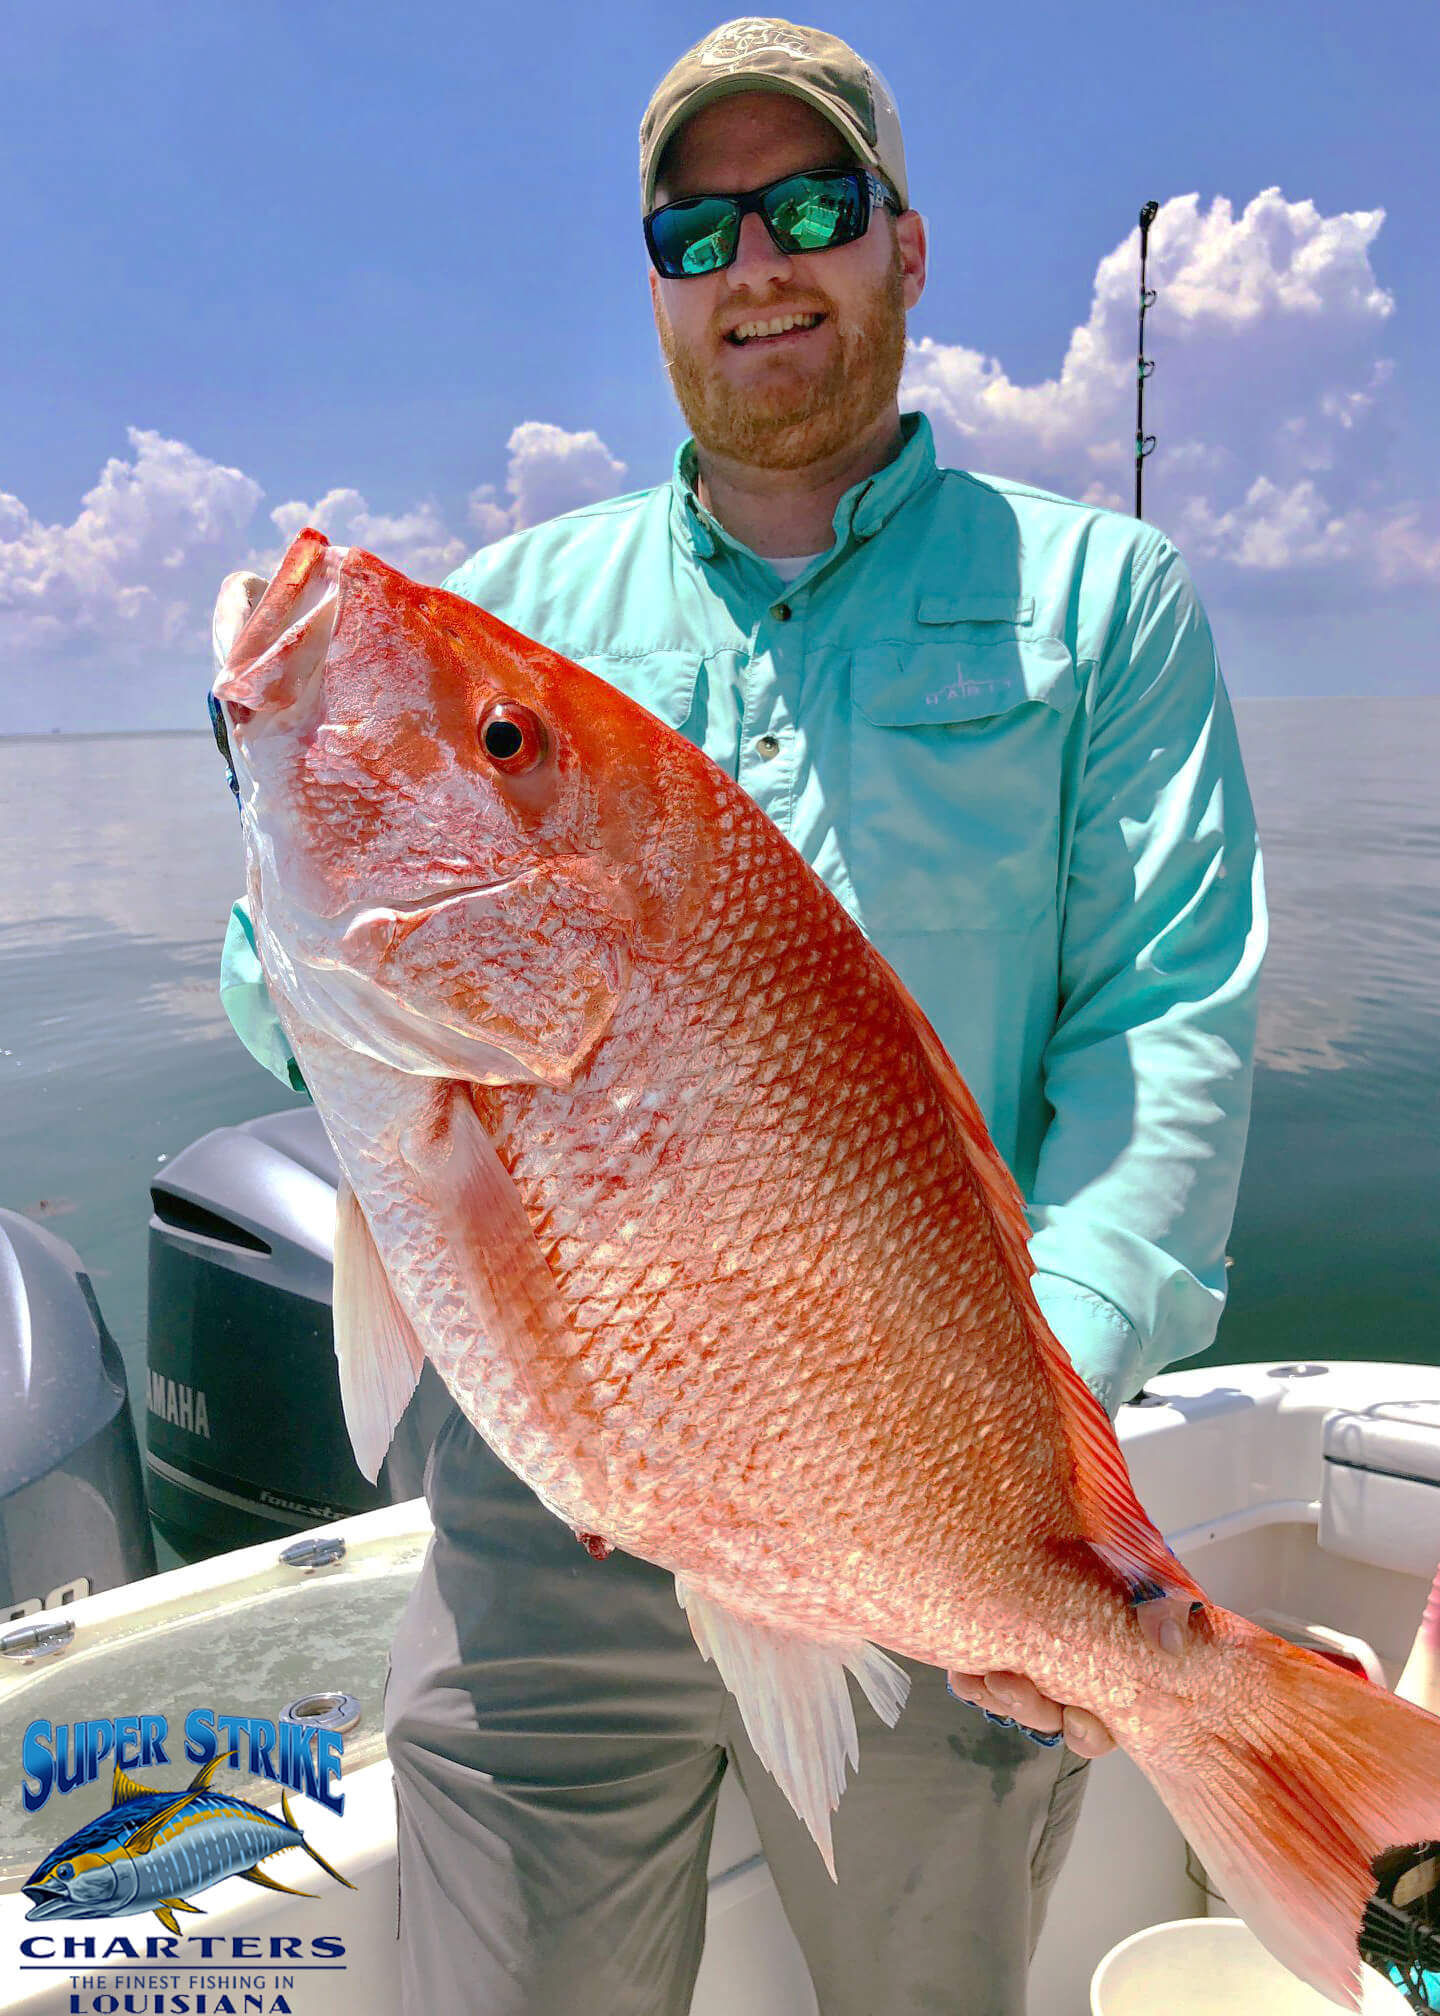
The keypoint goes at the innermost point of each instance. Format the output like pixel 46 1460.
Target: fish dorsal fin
pixel 795 1703
pixel 1114 1522
pixel 378 1353
pixel 144 1838
pixel 124 1787
pixel 201 1781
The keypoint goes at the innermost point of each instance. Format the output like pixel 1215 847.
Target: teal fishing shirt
pixel 992 720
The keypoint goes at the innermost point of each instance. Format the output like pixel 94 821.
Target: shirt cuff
pixel 1103 1345
pixel 246 1000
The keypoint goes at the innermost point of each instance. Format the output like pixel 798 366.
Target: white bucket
pixel 1214 1967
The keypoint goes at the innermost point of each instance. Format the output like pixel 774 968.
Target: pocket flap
pixel 962 679
pixel 975 609
pixel 662 681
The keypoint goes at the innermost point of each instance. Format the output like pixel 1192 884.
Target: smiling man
pixel 992 720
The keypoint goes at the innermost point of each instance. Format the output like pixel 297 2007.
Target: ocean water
pixel 122 854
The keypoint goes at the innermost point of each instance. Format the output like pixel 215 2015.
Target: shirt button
pixel 781 612
pixel 767 746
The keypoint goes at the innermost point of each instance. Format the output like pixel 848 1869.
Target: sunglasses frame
pixel 870 190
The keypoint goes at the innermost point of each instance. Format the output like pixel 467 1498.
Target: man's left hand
pixel 1012 1697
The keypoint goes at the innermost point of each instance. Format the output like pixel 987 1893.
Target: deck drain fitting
pixel 319 1551
pixel 1301 1371
pixel 324 1711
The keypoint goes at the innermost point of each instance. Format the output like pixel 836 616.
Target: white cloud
pixel 1266 331
pixel 550 471
pixel 130 583
pixel 139 564
pixel 416 541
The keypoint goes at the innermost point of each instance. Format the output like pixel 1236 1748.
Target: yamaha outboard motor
pixel 246 1437
pixel 72 1504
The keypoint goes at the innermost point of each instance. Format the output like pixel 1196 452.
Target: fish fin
pixel 376 1348
pixel 166 1912
pixel 201 1781
pixel 269 1883
pixel 144 1838
pixel 1289 1779
pixel 515 1300
pixel 795 1702
pixel 313 1853
pixel 124 1787
pixel 1112 1518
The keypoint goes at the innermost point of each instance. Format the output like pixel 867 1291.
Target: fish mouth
pixel 271 639
pixel 49 1903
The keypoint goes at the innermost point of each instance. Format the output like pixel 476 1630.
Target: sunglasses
pixel 809 212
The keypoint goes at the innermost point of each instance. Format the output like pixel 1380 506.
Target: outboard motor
pixel 246 1436
pixel 72 1503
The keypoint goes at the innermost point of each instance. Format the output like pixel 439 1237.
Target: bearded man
pixel 991 719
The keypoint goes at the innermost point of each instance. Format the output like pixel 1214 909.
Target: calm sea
pixel 122 853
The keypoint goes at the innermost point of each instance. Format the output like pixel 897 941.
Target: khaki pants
pixel 558 1745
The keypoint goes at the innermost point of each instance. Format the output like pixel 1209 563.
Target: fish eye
pixel 65 1871
pixel 513 737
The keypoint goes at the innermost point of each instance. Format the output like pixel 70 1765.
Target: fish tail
pixel 313 1853
pixel 1289 1784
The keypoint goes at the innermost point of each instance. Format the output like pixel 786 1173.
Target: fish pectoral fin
pixel 144 1838
pixel 269 1883
pixel 166 1912
pixel 795 1702
pixel 378 1353
pixel 515 1301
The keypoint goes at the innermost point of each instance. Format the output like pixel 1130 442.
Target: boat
pixel 1305 1495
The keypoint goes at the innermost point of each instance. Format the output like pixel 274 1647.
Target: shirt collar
pixel 862 512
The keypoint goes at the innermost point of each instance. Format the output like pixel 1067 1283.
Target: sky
pixel 379 269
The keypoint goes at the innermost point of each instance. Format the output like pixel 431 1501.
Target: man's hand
pixel 1012 1698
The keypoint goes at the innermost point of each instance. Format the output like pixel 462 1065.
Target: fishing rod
pixel 1145 365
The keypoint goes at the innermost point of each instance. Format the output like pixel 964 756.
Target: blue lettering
pixel 153 1731
pixel 262 1744
pixel 99 1742
pixel 242 1948
pixel 69 1756
pixel 234 1724
pixel 78 1949
pixel 37 1763
pixel 127 1741
pixel 297 1759
pixel 328 1946
pixel 331 1752
pixel 39 1946
pixel 122 1947
pixel 200 1745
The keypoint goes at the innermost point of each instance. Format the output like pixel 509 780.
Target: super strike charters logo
pixel 158 1845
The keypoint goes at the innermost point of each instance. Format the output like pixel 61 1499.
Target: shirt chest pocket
pixel 956 770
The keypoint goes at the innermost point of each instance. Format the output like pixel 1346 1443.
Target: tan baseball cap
pixel 757 53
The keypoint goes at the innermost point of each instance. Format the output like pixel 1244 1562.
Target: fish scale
pixel 660 1165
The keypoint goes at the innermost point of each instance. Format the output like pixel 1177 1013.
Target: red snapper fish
pixel 653 1156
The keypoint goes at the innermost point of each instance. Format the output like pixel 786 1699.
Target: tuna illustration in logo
pixel 152 1850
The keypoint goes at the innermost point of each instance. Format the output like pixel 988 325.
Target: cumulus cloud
pixel 138 565
pixel 1269 379
pixel 131 581
pixel 416 541
pixel 550 471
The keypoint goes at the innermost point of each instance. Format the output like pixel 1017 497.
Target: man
pixel 992 720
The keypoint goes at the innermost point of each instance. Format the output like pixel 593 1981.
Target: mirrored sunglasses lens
pixel 695 237
pixel 811 212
